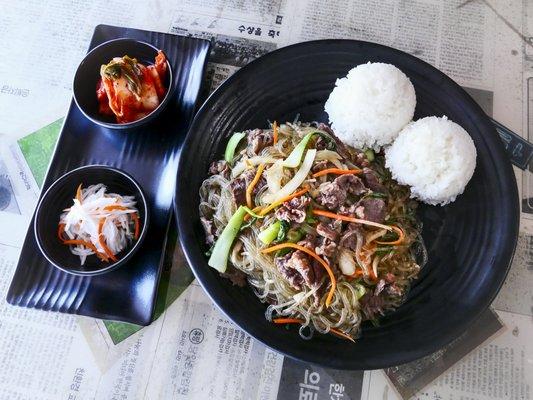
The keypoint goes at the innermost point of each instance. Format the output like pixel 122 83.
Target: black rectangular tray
pixel 150 155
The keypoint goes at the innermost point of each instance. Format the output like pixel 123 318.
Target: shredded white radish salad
pixel 99 223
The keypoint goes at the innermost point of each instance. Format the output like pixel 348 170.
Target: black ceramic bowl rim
pixel 107 267
pixel 198 262
pixel 128 125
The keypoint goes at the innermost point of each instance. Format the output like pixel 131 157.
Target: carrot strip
pixel 101 240
pixel 252 184
pixel 301 321
pixel 115 207
pixel 78 193
pixel 60 231
pixel 316 257
pixel 336 171
pixel 137 227
pixel 341 334
pixel 275 132
pixel 88 245
pixel 283 200
pixel 401 237
pixel 288 321
pixel 350 219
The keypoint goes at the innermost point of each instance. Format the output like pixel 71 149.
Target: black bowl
pixel 470 242
pixel 88 74
pixel 59 196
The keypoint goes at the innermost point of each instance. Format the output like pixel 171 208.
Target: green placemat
pixel 176 276
pixel 37 148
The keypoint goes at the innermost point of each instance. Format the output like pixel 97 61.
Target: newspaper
pixel 483 45
pixel 17 196
pixel 501 369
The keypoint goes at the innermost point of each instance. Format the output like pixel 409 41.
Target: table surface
pixel 486 46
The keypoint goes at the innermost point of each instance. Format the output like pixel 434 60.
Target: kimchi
pixel 129 90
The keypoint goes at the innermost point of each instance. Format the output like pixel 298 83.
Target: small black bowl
pixel 59 196
pixel 88 74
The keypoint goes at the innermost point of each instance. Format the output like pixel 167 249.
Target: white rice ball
pixel 369 107
pixel 435 156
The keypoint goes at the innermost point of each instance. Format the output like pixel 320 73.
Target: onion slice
pixel 296 180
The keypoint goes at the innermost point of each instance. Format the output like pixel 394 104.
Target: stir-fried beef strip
pixel 349 237
pixel 322 143
pixel 388 288
pixel 258 139
pixel 372 180
pixel 238 186
pixel 308 241
pixel 293 210
pixel 312 242
pixel 326 247
pixel 371 209
pixel 329 230
pixel 220 167
pixel 390 278
pixel 298 270
pixel 331 195
pixel 361 160
pixel 351 183
pixel 393 290
pixel 379 287
pixel 348 210
pixel 290 274
pixel 334 194
pixel 372 306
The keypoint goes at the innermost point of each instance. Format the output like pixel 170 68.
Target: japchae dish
pixel 128 90
pixel 318 229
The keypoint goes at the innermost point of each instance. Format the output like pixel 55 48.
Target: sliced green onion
pixel 282 231
pixel 294 235
pixel 382 250
pixel 309 218
pixel 252 213
pixel 294 159
pixel 220 254
pixel 283 252
pixel 268 235
pixel 248 223
pixel 370 155
pixel 232 146
pixel 360 289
